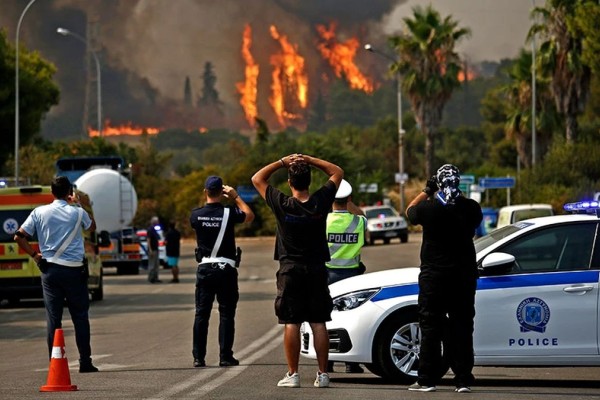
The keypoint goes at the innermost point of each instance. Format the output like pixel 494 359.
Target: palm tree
pixel 517 93
pixel 560 58
pixel 429 67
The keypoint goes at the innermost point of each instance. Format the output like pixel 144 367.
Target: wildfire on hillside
pixel 248 88
pixel 464 75
pixel 341 57
pixel 289 79
pixel 124 129
pixel 289 86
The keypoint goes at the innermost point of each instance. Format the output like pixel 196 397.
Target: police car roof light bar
pixel 584 207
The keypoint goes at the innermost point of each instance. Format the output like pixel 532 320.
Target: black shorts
pixel 302 293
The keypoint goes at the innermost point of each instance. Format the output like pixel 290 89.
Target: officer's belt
pixel 212 260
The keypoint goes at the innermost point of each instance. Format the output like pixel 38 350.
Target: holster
pixel 43 265
pixel 238 257
pixel 198 254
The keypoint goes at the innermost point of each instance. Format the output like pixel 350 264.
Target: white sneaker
pixel 421 388
pixel 322 380
pixel 290 380
pixel 463 389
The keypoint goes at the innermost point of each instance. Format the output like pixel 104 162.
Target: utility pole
pixel 92 109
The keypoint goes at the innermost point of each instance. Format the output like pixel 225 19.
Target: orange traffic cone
pixel 59 379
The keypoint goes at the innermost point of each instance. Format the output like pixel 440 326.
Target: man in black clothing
pixel 153 251
pixel 172 248
pixel 217 273
pixel 302 250
pixel 448 279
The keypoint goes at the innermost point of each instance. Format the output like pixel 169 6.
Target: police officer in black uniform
pixel 217 267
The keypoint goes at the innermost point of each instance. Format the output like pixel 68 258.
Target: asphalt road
pixel 141 341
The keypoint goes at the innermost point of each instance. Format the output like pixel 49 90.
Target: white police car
pixel 385 223
pixel 162 249
pixel 537 302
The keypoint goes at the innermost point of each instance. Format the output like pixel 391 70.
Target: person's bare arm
pixel 354 209
pixel 260 179
pixel 232 194
pixel 83 200
pixel 21 237
pixel 420 197
pixel 335 173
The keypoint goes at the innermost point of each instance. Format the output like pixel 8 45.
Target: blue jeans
pixel 62 283
pixel 211 282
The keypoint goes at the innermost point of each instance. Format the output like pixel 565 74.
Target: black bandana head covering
pixel 448 179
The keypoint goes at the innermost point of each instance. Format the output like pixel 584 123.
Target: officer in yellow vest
pixel 346 226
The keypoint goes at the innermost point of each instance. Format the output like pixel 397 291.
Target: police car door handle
pixel 578 289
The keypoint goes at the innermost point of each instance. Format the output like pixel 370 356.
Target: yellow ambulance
pixel 19 274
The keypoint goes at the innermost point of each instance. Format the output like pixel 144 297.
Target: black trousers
pixel 446 312
pixel 215 280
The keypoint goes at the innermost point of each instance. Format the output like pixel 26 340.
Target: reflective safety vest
pixel 345 237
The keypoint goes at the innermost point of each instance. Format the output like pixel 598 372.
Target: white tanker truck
pixel 115 203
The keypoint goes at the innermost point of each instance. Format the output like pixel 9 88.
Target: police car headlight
pixel 352 300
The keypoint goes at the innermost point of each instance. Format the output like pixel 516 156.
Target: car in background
pixel 162 249
pixel 384 223
pixel 536 305
pixel 488 223
pixel 519 212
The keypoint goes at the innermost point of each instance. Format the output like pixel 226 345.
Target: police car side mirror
pixel 497 263
pixel 104 239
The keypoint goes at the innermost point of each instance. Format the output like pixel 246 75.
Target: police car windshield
pixel 496 235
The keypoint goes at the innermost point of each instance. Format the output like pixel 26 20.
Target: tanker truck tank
pixel 115 203
pixel 113 196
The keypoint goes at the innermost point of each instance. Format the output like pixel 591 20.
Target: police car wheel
pixel 374 369
pixel 396 348
pixel 369 239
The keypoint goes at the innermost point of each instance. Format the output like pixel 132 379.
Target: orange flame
pixel 289 79
pixel 125 129
pixel 466 74
pixel 463 75
pixel 341 58
pixel 248 88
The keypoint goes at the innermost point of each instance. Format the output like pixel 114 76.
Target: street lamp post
pixel 533 102
pixel 66 32
pixel 17 92
pixel 401 132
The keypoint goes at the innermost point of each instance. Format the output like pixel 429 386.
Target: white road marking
pixel 75 364
pixel 257 349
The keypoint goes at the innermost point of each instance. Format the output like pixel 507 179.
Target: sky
pixel 148 47
pixel 498 27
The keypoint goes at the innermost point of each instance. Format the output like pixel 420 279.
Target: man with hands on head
pixel 302 250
